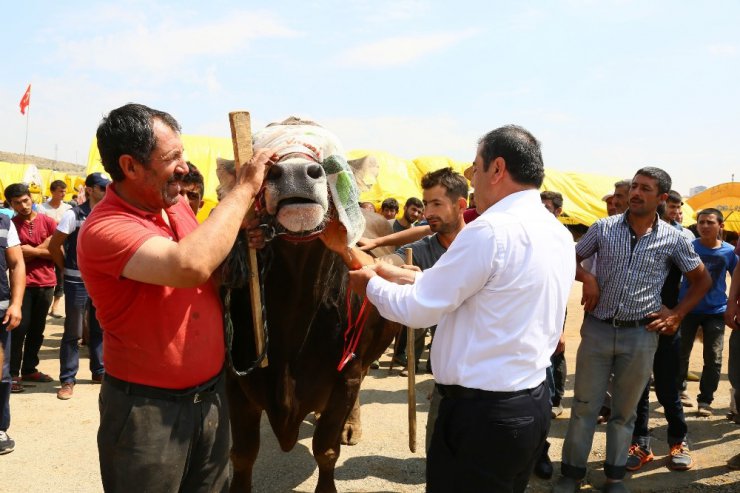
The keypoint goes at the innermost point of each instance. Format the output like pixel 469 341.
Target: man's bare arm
pixel 55 248
pixel 191 261
pixel 17 278
pixel 667 321
pixel 404 237
pixel 591 292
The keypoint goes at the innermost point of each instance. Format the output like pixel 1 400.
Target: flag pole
pixel 25 144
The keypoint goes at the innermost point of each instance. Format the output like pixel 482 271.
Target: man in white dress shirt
pixel 498 296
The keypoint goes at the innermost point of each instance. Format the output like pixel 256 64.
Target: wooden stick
pixel 411 369
pixel 241 136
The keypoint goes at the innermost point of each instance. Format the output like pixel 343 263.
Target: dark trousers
pixel 666 365
pixel 488 443
pixel 713 327
pixel 400 350
pixel 29 335
pixel 76 305
pixel 733 367
pixel 157 445
pixel 556 373
pixel 6 381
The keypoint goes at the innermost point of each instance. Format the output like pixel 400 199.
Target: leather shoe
pixel 618 487
pixel 566 485
pixel 543 467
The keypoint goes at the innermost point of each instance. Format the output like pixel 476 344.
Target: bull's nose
pixel 275 172
pixel 315 171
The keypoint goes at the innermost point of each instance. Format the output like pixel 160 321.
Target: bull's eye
pixel 315 171
pixel 274 173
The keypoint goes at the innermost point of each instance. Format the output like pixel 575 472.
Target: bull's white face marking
pixel 299 204
pixel 301 217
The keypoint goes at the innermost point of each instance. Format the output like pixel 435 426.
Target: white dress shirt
pixel 498 297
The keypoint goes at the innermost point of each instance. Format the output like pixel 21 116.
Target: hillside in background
pixel 42 163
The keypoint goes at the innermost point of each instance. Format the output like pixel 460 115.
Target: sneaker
pixel 543 467
pixel 65 393
pixel 7 445
pixel 16 386
pixel 680 457
pixel 704 409
pixel 557 411
pixel 37 376
pixel 638 457
pixel 686 400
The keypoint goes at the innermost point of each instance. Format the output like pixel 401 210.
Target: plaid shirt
pixel 631 277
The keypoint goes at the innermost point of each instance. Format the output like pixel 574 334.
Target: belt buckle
pixel 196 398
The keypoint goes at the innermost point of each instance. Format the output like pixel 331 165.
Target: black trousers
pixel 147 444
pixel 488 442
pixel 29 335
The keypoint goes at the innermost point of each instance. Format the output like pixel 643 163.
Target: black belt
pixel 459 392
pixel 626 323
pixel 194 394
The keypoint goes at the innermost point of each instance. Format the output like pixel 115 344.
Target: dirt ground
pixel 56 448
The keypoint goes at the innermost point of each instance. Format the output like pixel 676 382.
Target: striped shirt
pixel 631 271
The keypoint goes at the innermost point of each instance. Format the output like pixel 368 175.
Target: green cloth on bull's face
pixel 318 142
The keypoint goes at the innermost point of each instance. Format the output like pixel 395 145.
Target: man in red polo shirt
pixel 34 232
pixel 147 265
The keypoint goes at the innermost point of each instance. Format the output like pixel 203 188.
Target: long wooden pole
pixel 411 369
pixel 241 136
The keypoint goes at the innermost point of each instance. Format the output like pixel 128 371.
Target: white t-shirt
pixel 13 239
pixel 55 214
pixel 68 223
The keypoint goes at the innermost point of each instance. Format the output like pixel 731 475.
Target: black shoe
pixel 543 468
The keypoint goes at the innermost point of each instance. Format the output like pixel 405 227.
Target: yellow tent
pixel 21 173
pixel 725 198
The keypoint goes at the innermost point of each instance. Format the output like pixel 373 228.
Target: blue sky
pixel 607 86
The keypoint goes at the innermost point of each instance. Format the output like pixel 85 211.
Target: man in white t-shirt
pixel 55 208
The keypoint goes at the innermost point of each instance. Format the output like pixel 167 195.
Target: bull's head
pixel 297 194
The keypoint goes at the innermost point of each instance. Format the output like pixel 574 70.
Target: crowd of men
pixel 492 282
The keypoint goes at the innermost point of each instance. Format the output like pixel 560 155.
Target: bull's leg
pixel 245 435
pixel 352 431
pixel 326 438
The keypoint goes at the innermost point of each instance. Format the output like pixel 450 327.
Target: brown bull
pixel 305 301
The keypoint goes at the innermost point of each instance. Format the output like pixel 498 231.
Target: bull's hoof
pixel 351 434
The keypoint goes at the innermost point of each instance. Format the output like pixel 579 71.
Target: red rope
pixel 353 331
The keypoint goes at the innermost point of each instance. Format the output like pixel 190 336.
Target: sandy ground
pixel 56 449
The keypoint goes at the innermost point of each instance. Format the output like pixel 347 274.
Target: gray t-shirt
pixel 426 251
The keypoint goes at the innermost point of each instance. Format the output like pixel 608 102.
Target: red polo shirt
pixel 152 335
pixel 39 271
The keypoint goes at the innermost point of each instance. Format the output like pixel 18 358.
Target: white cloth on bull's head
pixel 325 148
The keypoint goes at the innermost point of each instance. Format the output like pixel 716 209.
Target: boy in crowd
pixel 719 258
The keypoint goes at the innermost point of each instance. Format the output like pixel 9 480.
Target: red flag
pixel 26 100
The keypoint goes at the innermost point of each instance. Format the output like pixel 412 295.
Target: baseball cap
pixel 96 179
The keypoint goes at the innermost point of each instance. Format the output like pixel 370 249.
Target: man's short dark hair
pixel 455 184
pixel 674 197
pixel 129 130
pixel 661 177
pixel 389 203
pixel 623 183
pixel 519 149
pixel 16 190
pixel 56 185
pixel 711 210
pixel 555 197
pixel 194 176
pixel 414 201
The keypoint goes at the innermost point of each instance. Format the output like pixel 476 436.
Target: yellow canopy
pixel 724 197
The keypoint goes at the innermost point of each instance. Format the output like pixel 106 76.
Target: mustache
pixel 177 177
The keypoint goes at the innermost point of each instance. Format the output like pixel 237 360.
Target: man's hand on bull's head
pixel 253 173
pixel 334 236
pixel 255 233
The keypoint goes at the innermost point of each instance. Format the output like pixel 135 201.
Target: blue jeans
pixel 6 381
pixel 556 373
pixel 666 366
pixel 628 354
pixel 713 326
pixel 76 301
